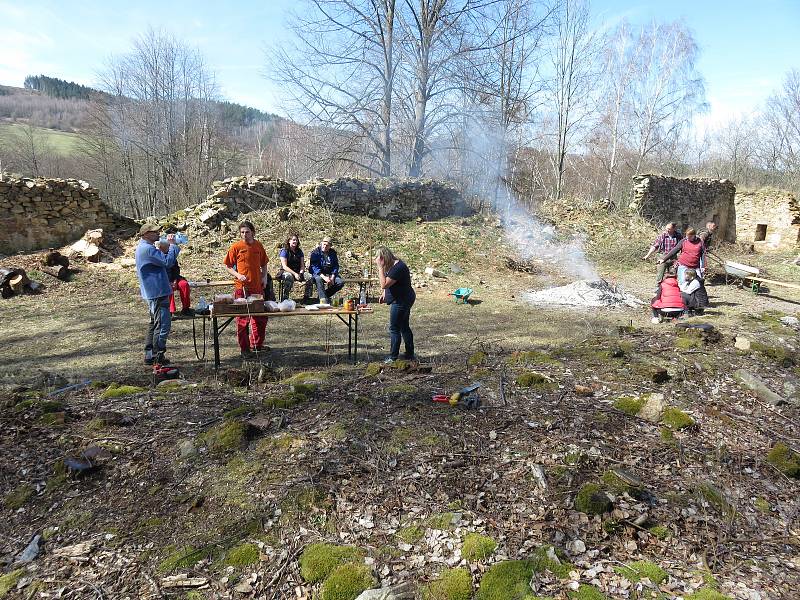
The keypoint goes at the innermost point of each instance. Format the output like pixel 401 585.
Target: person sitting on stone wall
pixel 293 266
pixel 324 266
pixel 693 293
pixel 664 244
pixel 178 283
pixel 668 302
pixel 691 253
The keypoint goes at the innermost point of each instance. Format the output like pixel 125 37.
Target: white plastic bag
pixel 287 305
pixel 271 306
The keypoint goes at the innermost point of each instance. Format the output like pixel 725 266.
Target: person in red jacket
pixel 692 255
pixel 668 301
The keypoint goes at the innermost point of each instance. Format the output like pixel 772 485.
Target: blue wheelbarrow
pixel 461 295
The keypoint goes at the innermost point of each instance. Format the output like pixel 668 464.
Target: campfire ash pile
pixel 585 293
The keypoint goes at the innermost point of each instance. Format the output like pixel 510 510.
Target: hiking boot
pixel 412 358
pixel 187 312
pixel 389 360
pixel 160 359
pixel 247 354
pixel 149 361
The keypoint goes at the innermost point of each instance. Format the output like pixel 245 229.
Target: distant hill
pixel 58 88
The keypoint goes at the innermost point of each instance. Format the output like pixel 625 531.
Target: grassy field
pixel 60 142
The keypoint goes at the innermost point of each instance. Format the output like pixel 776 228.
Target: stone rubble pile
pixel 39 213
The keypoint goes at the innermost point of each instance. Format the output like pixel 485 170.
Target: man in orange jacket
pixel 247 262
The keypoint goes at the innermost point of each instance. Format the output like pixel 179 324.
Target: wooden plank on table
pixel 772 281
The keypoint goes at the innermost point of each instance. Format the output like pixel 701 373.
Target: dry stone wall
pixel 768 218
pixel 41 213
pixel 390 199
pixel 686 201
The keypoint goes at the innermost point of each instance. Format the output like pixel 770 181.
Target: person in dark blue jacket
pixel 152 270
pixel 398 293
pixel 324 266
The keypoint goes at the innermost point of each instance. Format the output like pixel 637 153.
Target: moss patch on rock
pixel 707 594
pixel 586 592
pixel 629 405
pixel 17 497
pixel 507 580
pixel 676 419
pixel 785 460
pixel 592 500
pixel 228 436
pixel 346 582
pixel 9 581
pixel 782 356
pixel 116 390
pixel 476 358
pixel 308 378
pixel 477 547
pixel 242 555
pixel 319 560
pixel 660 532
pixel 453 584
pixel 636 571
pixel 535 380
pixel 182 558
pixel 373 369
pixel 549 558
pixel 411 534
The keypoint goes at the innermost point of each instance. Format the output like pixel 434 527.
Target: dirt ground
pixel 364 458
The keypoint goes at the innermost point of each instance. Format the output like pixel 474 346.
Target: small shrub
pixel 676 419
pixel 636 571
pixel 117 391
pixel 629 405
pixel 477 547
pixel 785 460
pixel 242 556
pixel 346 582
pixel 318 560
pixel 453 584
pixel 592 500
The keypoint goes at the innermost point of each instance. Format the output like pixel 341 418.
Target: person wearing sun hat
pixel 152 270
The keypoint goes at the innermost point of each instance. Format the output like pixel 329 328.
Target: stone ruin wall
pixel 768 218
pixel 48 213
pixel 390 199
pixel 687 201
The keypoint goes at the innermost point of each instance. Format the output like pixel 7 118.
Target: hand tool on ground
pixel 467 396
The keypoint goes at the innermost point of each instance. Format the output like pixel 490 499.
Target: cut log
pixel 17 283
pixel 58 271
pixel 88 249
pixel 35 287
pixel 54 257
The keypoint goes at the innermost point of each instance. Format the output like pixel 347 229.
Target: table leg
pixel 215 336
pixel 349 336
pixel 355 345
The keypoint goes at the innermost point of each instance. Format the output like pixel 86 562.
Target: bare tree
pixel 666 89
pixel 572 57
pixel 780 150
pixel 340 74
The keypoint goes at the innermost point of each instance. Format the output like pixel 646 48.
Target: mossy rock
pixel 629 404
pixel 373 369
pixel 9 581
pixel 707 594
pixel 667 435
pixel 17 497
pixel 785 460
pixel 411 534
pixel 532 357
pixel 676 419
pixel 543 560
pixel 586 592
pixel 507 580
pixel 534 380
pixel 228 436
pixel 636 571
pixel 783 357
pixel 319 560
pixel 304 389
pixel 242 555
pixel 307 377
pixel 476 359
pixel 440 520
pixel 237 412
pixel 117 391
pixel 346 582
pixel 660 532
pixel 477 547
pixel 182 558
pixel 453 584
pixel 711 494
pixel 285 400
pixel 762 505
pixel 613 482
pixel 592 500
pixel 689 339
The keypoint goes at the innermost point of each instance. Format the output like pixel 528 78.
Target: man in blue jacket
pixel 324 266
pixel 152 270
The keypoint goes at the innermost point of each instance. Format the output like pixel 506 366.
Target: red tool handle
pixel 441 398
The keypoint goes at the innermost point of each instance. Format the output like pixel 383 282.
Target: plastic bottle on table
pixel 362 301
pixel 202 304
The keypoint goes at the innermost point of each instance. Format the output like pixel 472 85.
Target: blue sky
pixel 747 46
